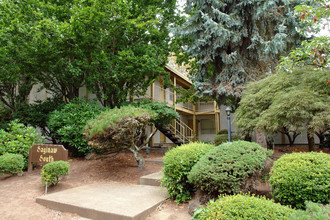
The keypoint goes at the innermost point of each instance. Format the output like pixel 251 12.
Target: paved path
pixel 111 200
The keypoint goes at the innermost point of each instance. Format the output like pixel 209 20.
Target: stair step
pixel 153 179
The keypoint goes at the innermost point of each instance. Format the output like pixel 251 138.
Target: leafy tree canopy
pixel 115 48
pixel 296 101
pixel 314 17
pixel 234 42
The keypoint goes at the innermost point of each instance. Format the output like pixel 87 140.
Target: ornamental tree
pixel 234 42
pixel 294 102
pixel 117 130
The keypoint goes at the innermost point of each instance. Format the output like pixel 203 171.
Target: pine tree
pixel 234 42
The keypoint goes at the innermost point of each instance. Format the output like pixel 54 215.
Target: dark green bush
pixel 223 138
pixel 51 172
pixel 222 131
pixel 177 165
pixel 243 207
pixel 18 138
pixel 37 114
pixel 313 211
pixel 224 168
pixel 299 177
pixel 67 125
pixel 11 163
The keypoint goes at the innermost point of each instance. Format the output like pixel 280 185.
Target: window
pixel 207 126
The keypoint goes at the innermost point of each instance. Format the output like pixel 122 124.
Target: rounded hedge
pixel 298 177
pixel 177 165
pixel 11 163
pixel 223 138
pixel 243 207
pixel 222 131
pixel 51 172
pixel 224 168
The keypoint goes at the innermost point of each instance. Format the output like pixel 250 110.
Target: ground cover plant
pixel 225 168
pixel 67 125
pixel 243 207
pixel 177 165
pixel 51 172
pixel 11 163
pixel 299 177
pixel 18 138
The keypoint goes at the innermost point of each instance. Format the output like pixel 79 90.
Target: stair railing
pixel 182 131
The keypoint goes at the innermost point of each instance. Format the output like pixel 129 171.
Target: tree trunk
pixel 310 139
pixel 261 139
pixel 138 157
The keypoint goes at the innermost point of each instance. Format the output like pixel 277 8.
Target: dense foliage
pixel 51 172
pixel 37 114
pixel 223 169
pixel 67 125
pixel 115 48
pixel 163 114
pixel 222 138
pixel 230 43
pixel 286 102
pixel 18 138
pixel 314 17
pixel 121 129
pixel 177 165
pixel 11 163
pixel 313 211
pixel 242 207
pixel 299 177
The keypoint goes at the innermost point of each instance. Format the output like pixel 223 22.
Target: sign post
pixel 45 153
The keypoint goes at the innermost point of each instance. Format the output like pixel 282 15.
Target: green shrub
pixel 18 138
pixel 243 207
pixel 67 125
pixel 223 138
pixel 51 172
pixel 313 211
pixel 222 131
pixel 299 177
pixel 224 168
pixel 177 165
pixel 11 163
pixel 37 114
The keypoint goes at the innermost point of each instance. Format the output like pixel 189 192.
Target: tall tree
pixel 234 42
pixel 114 47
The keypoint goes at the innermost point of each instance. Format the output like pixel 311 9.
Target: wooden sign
pixel 45 153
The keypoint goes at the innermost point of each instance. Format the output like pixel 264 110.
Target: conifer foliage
pixel 235 41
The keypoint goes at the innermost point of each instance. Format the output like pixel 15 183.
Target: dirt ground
pixel 18 193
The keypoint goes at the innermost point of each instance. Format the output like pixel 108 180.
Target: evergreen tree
pixel 234 42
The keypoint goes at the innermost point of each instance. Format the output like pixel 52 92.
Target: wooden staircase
pixel 179 133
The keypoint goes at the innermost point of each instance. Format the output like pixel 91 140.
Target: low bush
pixel 67 125
pixel 222 131
pixel 51 172
pixel 313 211
pixel 11 163
pixel 225 168
pixel 18 138
pixel 299 177
pixel 243 207
pixel 177 165
pixel 223 138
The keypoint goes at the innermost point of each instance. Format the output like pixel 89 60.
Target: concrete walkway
pixel 111 200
